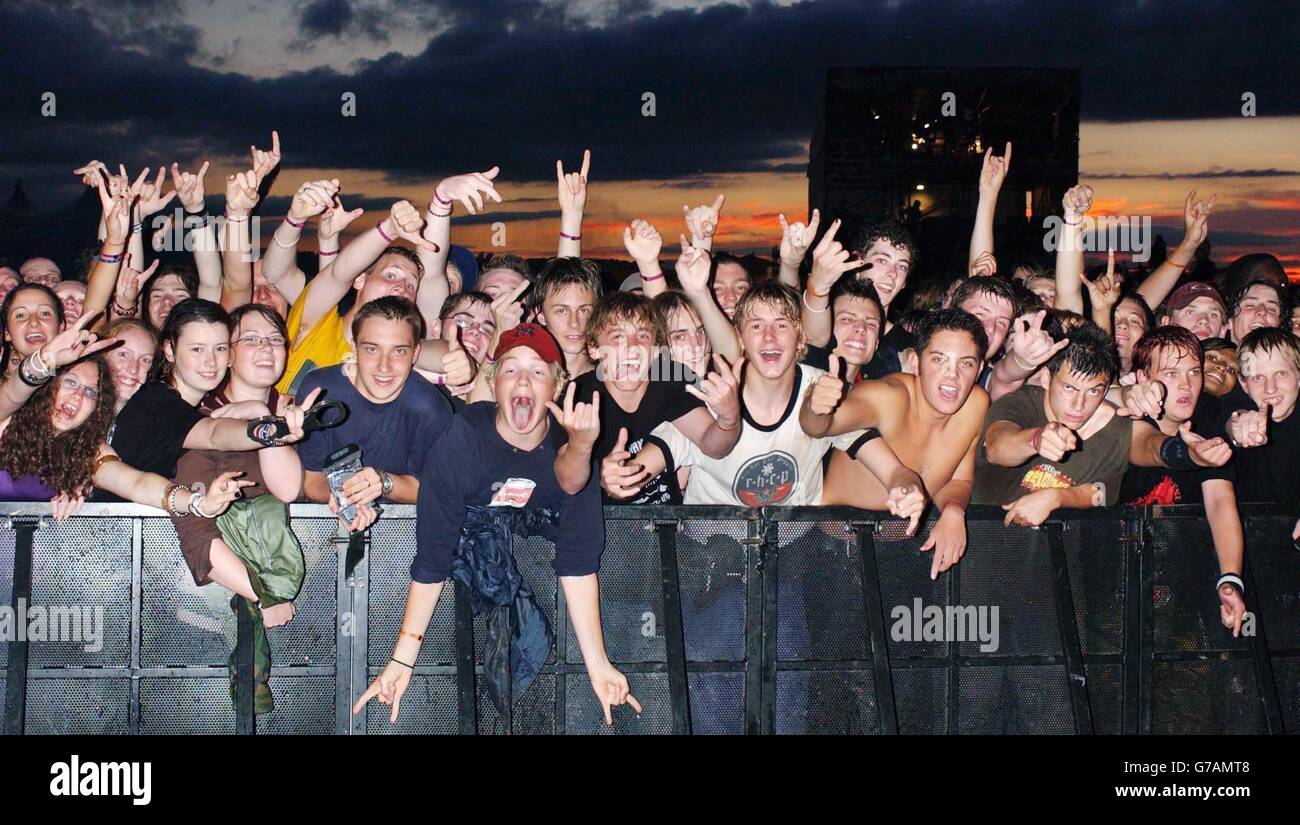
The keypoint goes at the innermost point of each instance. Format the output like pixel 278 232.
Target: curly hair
pixel 63 460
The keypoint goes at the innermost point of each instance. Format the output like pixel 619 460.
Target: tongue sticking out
pixel 521 410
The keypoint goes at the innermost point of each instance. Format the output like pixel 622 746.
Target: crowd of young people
pixel 501 401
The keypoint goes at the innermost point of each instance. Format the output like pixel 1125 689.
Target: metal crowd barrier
pixel 726 620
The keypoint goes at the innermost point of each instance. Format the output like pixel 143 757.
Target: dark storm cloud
pixel 1201 174
pixel 522 83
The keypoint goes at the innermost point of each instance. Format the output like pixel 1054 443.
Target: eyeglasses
pixel 464 321
pixel 274 341
pixel 73 385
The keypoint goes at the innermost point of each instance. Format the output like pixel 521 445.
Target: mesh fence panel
pixel 532 714
pixel 712 576
pixel 182 624
pixel 1010 569
pixel 1186 606
pixel 1105 685
pixel 921 699
pixel 584 715
pixel 81 580
pixel 826 702
pixel 1286 675
pixel 1014 700
pixel 186 706
pixel 1205 697
pixel 303 705
pixel 85 707
pixel 1276 567
pixel 717 703
pixel 904 578
pixel 820 612
pixel 309 638
pixel 391 550
pixel 631 595
pixel 428 707
pixel 1095 558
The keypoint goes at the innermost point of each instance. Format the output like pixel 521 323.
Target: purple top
pixel 23 488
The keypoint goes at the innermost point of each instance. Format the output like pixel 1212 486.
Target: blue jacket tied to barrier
pixel 519 637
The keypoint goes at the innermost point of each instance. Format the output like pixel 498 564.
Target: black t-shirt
pixel 1157 485
pixel 1269 473
pixel 396 437
pixel 884 362
pixel 150 431
pixel 666 399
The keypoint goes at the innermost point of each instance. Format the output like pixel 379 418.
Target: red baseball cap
pixel 534 336
pixel 1192 290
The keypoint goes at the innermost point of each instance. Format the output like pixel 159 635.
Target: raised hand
pixel 294 413
pixel 470 188
pixel 984 266
pixel 241 194
pixel 1104 291
pixel 129 283
pixel 1144 400
pixel 826 394
pixel 573 186
pixel 580 421
pixel 148 194
pixel 1055 440
pixel 223 490
pixel 1031 345
pixel 830 261
pixel 994 171
pixel 457 366
pixel 721 391
pixel 508 310
pixel 389 686
pixel 1196 219
pixel 702 221
pixel 619 475
pixel 335 219
pixel 1206 452
pixel 797 237
pixel 74 343
pixel 611 688
pixel 643 241
pixel 1249 428
pixel 189 187
pixel 63 505
pixel 117 219
pixel 1077 202
pixel 407 224
pixel 907 502
pixel 1033 509
pixel 1232 608
pixel 693 268
pixel 96 174
pixel 313 198
pixel 264 162
pixel 947 539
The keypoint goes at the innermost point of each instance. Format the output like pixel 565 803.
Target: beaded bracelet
pixel 380 226
pixel 446 214
pixel 119 310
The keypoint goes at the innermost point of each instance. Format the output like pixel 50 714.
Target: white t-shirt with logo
pixel 778 465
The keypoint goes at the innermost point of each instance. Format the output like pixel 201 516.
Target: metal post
pixel 674 638
pixel 1146 622
pixel 873 610
pixel 245 720
pixel 1133 595
pixel 753 545
pixel 1069 632
pixel 771 611
pixel 16 673
pixel 1263 663
pixel 466 686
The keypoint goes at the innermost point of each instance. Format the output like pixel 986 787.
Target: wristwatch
pixel 386 483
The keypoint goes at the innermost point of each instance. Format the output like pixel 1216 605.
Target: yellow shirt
pixel 324 345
